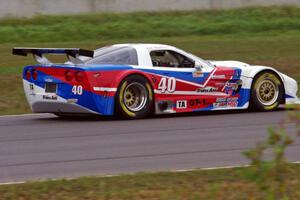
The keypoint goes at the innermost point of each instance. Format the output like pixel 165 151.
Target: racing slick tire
pixel 267 92
pixel 134 98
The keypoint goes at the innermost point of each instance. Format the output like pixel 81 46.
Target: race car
pixel 136 80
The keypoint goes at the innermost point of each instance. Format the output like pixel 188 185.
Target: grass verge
pixel 225 184
pixel 96 27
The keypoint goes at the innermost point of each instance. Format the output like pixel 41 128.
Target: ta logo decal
pixel 182 104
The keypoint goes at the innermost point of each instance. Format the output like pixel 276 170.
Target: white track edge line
pixel 112 175
pixel 24 115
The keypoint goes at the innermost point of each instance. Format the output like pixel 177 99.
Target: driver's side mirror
pixel 198 66
pixel 198 70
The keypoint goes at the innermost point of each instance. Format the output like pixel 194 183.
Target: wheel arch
pixel 126 74
pixel 134 73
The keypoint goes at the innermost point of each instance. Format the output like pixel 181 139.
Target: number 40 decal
pixel 77 90
pixel 167 84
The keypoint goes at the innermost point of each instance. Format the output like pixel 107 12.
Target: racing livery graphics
pixel 135 80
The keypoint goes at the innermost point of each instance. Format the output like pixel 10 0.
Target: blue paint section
pixel 289 96
pixel 244 97
pixel 86 99
pixel 106 105
pixel 237 74
pixel 243 94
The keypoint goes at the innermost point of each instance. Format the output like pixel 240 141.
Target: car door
pixel 189 84
pixel 190 74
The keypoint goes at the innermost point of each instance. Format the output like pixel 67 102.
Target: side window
pixel 168 58
pixel 123 56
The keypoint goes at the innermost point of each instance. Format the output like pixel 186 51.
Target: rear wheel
pixel 267 92
pixel 134 98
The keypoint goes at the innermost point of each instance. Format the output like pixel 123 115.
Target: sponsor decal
pixel 197 73
pixel 199 102
pixel 206 90
pixel 72 100
pixel 181 104
pixel 233 99
pixel 222 76
pixel 225 105
pixel 50 97
pixel 219 100
pixel 233 86
pixel 220 84
pixel 226 102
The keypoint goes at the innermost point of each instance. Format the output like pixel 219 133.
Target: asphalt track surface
pixel 45 146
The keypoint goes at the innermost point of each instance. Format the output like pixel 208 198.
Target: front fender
pixel 290 85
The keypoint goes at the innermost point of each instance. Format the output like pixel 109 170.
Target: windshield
pixel 194 57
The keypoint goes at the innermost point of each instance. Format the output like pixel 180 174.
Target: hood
pixel 229 63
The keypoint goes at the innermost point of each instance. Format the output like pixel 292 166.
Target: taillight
pixel 79 76
pixel 68 75
pixel 28 74
pixel 34 74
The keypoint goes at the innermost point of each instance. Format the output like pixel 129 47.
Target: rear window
pixel 116 55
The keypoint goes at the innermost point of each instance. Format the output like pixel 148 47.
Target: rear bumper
pixel 42 102
pixel 58 107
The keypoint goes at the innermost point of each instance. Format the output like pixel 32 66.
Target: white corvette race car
pixel 136 80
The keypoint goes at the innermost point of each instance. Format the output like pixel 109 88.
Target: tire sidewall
pixel 121 107
pixel 255 103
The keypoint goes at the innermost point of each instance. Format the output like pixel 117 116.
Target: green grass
pixel 98 27
pixel 263 36
pixel 225 184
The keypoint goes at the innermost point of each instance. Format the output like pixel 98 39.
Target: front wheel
pixel 267 92
pixel 134 98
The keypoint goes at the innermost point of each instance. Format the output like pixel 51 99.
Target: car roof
pixel 144 45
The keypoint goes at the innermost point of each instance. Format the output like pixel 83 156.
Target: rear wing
pixel 38 53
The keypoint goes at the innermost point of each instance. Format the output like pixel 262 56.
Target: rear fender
pixel 125 74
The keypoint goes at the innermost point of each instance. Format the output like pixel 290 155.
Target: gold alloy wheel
pixel 135 97
pixel 267 92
